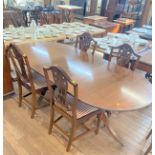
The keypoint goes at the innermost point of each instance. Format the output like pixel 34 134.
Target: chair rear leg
pixel 42 94
pixel 72 132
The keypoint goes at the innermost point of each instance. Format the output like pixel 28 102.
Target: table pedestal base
pixel 105 120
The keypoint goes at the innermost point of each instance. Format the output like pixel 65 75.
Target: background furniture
pixel 51 17
pixel 35 14
pixel 125 23
pixel 68 11
pixel 113 8
pixel 94 19
pixel 147 13
pixel 13 17
pixel 56 32
pixel 134 10
pixel 108 26
pixel 82 4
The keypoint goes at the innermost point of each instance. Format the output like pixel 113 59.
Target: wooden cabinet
pixel 7 81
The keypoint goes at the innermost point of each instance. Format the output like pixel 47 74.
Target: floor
pixel 26 136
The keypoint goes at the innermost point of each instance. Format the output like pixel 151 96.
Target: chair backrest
pixel 60 93
pixel 13 17
pixel 126 56
pixel 84 41
pixel 43 19
pixel 50 18
pixel 21 64
pixel 58 18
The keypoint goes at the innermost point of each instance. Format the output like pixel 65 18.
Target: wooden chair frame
pixel 125 52
pixel 84 40
pixel 75 122
pixel 25 77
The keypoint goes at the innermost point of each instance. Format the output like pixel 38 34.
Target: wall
pixel 67 1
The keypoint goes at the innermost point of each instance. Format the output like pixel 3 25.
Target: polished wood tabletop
pixel 93 19
pixel 96 17
pixel 109 87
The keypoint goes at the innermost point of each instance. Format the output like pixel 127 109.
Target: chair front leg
pixel 34 100
pixel 72 133
pixel 20 92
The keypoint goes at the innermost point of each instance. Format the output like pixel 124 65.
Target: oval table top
pixel 109 87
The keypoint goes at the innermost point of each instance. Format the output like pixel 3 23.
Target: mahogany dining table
pixel 107 86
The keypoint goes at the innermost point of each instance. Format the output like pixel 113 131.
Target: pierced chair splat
pixel 125 55
pixel 85 41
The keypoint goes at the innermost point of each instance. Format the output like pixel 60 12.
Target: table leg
pixel 67 16
pixel 64 15
pixel 71 16
pixel 111 131
pixel 25 17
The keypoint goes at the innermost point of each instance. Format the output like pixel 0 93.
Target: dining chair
pixel 28 78
pixel 149 148
pixel 84 40
pixel 125 55
pixel 43 19
pixel 13 17
pixel 68 105
pixel 58 18
pixel 47 18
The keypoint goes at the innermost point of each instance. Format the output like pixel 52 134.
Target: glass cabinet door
pixel 134 8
